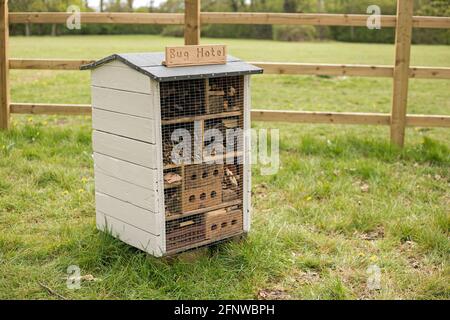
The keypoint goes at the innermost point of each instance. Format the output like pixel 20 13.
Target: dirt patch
pixel 376 234
pixel 273 294
pixel 362 185
pixel 307 277
pixel 407 249
pixel 261 190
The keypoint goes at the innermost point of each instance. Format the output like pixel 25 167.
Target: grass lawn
pixel 343 200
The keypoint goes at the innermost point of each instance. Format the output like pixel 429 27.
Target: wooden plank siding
pixel 120 78
pixel 142 129
pixel 126 192
pixel 127 212
pixel 125 156
pixel 129 234
pixel 126 171
pixel 131 103
pixel 126 149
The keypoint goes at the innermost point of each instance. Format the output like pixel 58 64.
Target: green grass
pixel 315 231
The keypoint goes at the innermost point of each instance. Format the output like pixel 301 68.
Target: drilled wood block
pixel 198 175
pixel 220 223
pixel 201 197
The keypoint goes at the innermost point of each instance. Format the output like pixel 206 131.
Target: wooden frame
pixel 400 72
pixel 212 208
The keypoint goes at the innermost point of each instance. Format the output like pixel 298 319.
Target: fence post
pixel 191 22
pixel 403 33
pixel 4 66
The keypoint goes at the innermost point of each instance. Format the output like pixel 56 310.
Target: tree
pixel 20 6
pixel 289 6
pixel 151 5
pixel 130 5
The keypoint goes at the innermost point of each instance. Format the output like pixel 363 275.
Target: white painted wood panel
pixel 159 158
pixel 128 213
pixel 126 191
pixel 109 76
pixel 137 104
pixel 247 156
pixel 138 128
pixel 126 171
pixel 134 151
pixel 131 235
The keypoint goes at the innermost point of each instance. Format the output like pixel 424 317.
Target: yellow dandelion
pixel 373 259
pixel 30 120
pixel 81 191
pixel 84 179
pixel 65 192
pixel 309 198
pixel 361 254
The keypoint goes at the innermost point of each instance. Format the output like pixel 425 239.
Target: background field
pixel 343 199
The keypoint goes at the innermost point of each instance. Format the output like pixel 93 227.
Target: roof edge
pixel 114 57
pixel 127 62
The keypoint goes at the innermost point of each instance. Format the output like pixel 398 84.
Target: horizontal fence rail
pixel 47 64
pixel 318 19
pixel 357 70
pixel 97 18
pixel 50 109
pixel 356 118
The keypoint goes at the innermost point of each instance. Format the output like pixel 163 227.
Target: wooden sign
pixel 195 55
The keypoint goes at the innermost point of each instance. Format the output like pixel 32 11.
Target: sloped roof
pixel 150 64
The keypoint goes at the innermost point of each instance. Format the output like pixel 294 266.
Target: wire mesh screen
pixel 202 134
pixel 182 98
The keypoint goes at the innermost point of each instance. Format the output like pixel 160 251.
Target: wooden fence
pixel 401 71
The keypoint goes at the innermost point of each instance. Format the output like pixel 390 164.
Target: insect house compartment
pixel 171 156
